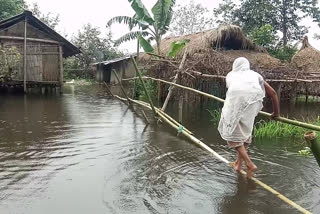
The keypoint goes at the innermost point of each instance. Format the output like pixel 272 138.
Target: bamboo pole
pixel 204 146
pixel 108 88
pixel 166 115
pixel 311 138
pixel 61 68
pixel 281 119
pixel 180 109
pixel 144 86
pixel 145 116
pixel 122 89
pixel 174 81
pixel 25 56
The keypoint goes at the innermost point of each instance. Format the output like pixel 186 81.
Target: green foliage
pixel 10 8
pixel 215 115
pixel 285 16
pixel 9 62
pixel 142 13
pixel 94 48
pixel 52 20
pixel 191 18
pixel 271 129
pixel 145 44
pixel 161 13
pixel 305 152
pixel 151 27
pixel 284 53
pixel 176 47
pixel 264 36
pixel 151 87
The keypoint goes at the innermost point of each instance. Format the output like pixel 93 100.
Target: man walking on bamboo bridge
pixel 246 90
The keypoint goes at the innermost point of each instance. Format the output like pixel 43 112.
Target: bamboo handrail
pixel 204 146
pixel 281 119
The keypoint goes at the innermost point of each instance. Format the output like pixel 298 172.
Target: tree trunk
pixel 284 23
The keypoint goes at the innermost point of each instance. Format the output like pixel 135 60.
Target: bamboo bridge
pixel 160 115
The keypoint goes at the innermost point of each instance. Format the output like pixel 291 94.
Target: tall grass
pixel 215 115
pixel 271 129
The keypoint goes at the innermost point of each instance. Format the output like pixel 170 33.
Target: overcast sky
pixel 76 13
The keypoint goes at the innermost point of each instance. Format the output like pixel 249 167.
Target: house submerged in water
pixel 123 66
pixel 42 51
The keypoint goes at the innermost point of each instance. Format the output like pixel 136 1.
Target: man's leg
pixel 242 152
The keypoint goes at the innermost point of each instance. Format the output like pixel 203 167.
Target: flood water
pixel 84 152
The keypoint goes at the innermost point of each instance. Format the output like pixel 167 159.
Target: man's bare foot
pixel 250 170
pixel 236 166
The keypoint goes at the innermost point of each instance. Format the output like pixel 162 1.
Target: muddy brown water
pixel 84 152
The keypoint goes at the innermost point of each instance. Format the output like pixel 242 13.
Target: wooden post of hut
pixel 61 68
pixel 25 56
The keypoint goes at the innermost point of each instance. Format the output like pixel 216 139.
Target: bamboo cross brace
pixel 122 89
pixel 281 119
pixel 108 88
pixel 174 81
pixel 204 146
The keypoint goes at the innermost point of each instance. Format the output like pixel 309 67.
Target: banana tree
pixel 149 27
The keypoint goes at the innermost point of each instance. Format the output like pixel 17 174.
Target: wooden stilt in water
pixel 61 68
pixel 25 57
pixel 311 138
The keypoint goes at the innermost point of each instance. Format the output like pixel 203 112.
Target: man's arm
pixel 274 98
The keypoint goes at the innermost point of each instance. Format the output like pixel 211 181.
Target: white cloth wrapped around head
pixel 245 87
pixel 240 64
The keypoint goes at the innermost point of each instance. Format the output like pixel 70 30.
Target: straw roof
pixel 226 43
pixel 307 58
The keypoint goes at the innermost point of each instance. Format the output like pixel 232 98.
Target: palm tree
pixel 150 28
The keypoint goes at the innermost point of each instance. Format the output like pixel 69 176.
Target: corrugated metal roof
pixel 114 60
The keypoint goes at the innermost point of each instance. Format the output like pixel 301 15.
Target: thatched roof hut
pixel 215 50
pixel 307 58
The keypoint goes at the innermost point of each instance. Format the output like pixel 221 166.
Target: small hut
pixel 42 50
pixel 307 58
pixel 123 66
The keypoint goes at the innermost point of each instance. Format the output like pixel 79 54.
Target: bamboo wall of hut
pixel 41 48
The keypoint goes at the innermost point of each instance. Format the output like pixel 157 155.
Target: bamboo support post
pixel 205 147
pixel 144 86
pixel 25 56
pixel 180 109
pixel 145 116
pixel 61 68
pixel 281 119
pixel 122 89
pixel 174 81
pixel 108 88
pixel 311 138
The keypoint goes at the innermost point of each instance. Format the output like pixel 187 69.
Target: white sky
pixel 76 13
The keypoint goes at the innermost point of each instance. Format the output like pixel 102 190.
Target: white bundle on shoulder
pixel 245 87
